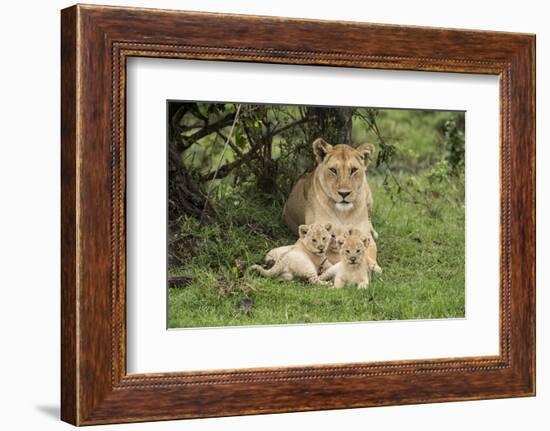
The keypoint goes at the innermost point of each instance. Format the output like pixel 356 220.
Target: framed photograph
pixel 267 215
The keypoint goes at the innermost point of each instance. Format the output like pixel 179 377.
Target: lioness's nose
pixel 344 194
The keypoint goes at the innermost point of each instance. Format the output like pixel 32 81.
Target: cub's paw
pixel 318 281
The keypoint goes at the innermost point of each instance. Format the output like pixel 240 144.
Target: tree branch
pixel 289 126
pixel 226 169
pixel 204 131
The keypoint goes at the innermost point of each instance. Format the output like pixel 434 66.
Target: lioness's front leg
pixel 372 252
pixel 369 199
pixel 373 266
pixel 363 285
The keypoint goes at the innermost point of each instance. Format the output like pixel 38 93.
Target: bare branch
pixel 289 126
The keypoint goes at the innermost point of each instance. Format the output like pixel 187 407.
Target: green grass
pixel 420 248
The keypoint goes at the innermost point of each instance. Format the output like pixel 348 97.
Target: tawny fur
pixel 353 267
pixel 316 197
pixel 339 233
pixel 371 252
pixel 338 236
pixel 275 254
pixel 305 259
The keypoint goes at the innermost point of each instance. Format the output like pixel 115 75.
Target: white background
pixel 151 348
pixel 29 227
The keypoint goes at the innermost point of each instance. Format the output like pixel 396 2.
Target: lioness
pixel 336 192
pixel 305 258
pixel 353 267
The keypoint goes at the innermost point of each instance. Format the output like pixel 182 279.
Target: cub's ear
pixel 349 229
pixel 302 230
pixel 367 152
pixel 366 240
pixel 321 148
pixel 328 227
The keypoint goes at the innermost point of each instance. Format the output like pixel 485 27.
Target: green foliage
pixel 454 142
pixel 249 226
pixel 418 186
pixel 422 258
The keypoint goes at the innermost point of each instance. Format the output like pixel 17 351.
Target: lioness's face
pixel 353 249
pixel 315 237
pixel 338 235
pixel 341 171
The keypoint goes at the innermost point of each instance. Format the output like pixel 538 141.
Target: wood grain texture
pixel 96 41
pixel 69 369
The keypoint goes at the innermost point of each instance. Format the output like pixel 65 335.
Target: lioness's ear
pixel 328 227
pixel 321 148
pixel 367 151
pixel 302 230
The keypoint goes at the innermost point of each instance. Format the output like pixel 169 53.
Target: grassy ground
pixel 421 250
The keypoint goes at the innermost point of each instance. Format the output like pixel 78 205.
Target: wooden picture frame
pixel 95 43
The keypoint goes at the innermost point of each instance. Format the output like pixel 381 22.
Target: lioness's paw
pixel 374 234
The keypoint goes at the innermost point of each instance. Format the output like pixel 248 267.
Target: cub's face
pixel 316 237
pixel 353 249
pixel 338 235
pixel 341 171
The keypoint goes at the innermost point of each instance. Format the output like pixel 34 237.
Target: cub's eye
pixel 347 251
pixel 333 170
pixel 314 240
pixel 356 251
pixel 324 238
pixel 332 236
pixel 353 170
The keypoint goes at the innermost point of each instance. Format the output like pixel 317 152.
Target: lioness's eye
pixel 333 170
pixel 353 170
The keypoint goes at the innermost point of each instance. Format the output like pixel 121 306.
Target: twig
pixel 231 144
pixel 222 155
pixel 289 126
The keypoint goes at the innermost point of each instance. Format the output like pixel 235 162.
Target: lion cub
pixel 338 234
pixel 353 267
pixel 370 252
pixel 275 254
pixel 304 258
